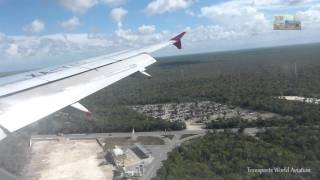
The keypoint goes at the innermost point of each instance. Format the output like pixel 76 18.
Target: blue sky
pixel 15 14
pixel 36 33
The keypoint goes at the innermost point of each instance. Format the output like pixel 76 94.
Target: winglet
pixel 177 40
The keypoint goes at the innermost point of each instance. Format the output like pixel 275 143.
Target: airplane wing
pixel 28 97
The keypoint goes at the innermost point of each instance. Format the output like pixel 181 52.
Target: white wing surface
pixel 28 97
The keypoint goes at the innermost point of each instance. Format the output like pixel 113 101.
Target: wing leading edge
pixel 28 97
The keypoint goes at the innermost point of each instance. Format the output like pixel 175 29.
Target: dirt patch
pixel 67 159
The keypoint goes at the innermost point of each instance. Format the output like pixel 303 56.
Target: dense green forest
pixel 248 78
pixel 237 122
pixel 228 155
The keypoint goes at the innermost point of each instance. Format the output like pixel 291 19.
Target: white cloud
pixel 280 2
pixel 190 12
pixel 133 39
pixel 25 52
pixel 297 2
pixel 279 5
pixel 117 15
pixel 78 6
pixel 126 35
pixel 114 3
pixel 310 17
pixel 147 29
pixel 81 6
pixel 36 26
pixel 273 5
pixel 237 16
pixel 162 6
pixel 60 48
pixel 71 24
pixel 250 16
pixel 211 32
pixel 12 50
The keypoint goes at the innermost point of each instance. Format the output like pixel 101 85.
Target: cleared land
pixel 199 111
pixel 67 159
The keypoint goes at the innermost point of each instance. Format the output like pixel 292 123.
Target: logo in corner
pixel 286 22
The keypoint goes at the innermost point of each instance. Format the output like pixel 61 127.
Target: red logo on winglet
pixel 178 40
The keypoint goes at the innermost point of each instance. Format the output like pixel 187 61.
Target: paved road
pixel 120 134
pixel 249 131
pixel 161 153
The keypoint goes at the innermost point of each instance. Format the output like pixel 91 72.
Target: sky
pixel 41 33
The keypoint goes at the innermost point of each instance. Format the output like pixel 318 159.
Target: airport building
pixel 132 160
pixel 140 151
